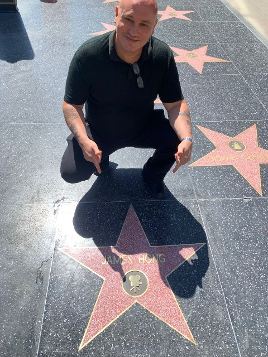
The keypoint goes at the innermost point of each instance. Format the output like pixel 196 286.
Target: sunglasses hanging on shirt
pixel 136 70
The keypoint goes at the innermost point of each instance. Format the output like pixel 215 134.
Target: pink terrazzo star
pixel 108 28
pixel 134 255
pixel 242 152
pixel 195 58
pixel 170 12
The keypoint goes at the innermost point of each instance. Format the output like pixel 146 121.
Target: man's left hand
pixel 183 155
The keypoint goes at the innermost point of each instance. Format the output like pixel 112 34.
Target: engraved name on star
pixel 134 272
pixel 241 151
pixel 195 58
pixel 171 13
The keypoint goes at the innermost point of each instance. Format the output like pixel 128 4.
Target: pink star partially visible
pixel 195 58
pixel 170 12
pixel 106 1
pixel 134 253
pixel 108 28
pixel 241 151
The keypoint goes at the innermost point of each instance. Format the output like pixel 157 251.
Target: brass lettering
pixel 151 258
pixel 109 259
pixel 162 258
pixel 223 158
pixel 126 259
pixel 114 259
pixel 117 260
pixel 256 156
pixel 148 259
pixel 141 258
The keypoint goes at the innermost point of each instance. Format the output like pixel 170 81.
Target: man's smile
pixel 130 39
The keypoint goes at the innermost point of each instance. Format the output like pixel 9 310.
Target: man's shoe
pixel 156 189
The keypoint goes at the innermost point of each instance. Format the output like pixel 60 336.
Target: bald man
pixel 117 77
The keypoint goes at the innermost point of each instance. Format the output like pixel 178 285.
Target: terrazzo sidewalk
pixel 100 268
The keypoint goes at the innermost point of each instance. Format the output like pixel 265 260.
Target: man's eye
pixel 144 25
pixel 127 19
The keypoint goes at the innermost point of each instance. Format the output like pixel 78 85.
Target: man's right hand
pixel 75 120
pixel 92 153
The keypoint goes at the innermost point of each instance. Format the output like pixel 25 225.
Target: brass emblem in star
pixel 108 28
pixel 134 272
pixel 135 283
pixel 242 152
pixel 236 145
pixel 195 58
pixel 170 13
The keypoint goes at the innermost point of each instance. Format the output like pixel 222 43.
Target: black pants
pixel 158 134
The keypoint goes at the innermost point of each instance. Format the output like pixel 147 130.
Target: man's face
pixel 135 22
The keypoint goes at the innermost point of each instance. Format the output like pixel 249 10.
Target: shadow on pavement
pixel 14 42
pixel 101 213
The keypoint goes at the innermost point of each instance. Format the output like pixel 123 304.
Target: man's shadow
pixel 101 213
pixel 14 42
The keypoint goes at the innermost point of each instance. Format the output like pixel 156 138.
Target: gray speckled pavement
pixel 100 268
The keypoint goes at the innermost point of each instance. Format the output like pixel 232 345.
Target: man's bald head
pixel 151 3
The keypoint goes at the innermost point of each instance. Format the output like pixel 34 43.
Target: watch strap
pixel 187 138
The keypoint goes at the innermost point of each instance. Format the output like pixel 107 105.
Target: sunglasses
pixel 136 70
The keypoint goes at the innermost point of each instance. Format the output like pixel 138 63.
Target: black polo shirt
pixel 116 108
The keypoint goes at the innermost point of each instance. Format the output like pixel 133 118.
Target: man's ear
pixel 154 26
pixel 116 12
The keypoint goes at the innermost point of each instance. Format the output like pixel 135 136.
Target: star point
pixel 106 1
pixel 133 271
pixel 108 28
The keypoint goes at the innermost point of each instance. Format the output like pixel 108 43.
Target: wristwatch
pixel 187 138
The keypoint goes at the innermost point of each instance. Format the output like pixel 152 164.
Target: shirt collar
pixel 145 55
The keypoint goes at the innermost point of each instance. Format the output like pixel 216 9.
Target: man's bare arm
pixel 180 120
pixel 75 120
